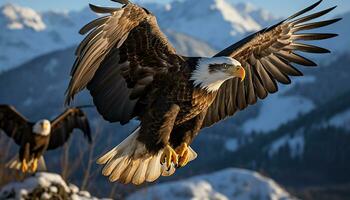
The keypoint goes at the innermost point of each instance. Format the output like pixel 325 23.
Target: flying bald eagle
pixel 35 139
pixel 132 71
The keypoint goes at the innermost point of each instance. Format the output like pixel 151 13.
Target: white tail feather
pixel 16 164
pixel 131 162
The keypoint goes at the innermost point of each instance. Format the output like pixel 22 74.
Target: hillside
pixel 237 184
pixel 59 30
pixel 310 151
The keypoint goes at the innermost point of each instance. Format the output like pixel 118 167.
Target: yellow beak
pixel 45 126
pixel 239 72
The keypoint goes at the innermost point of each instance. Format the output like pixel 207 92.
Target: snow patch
pixel 202 19
pixel 28 185
pixel 341 120
pixel 51 66
pixel 19 17
pixel 237 184
pixel 48 31
pixel 261 16
pixel 278 109
pixel 232 144
pixel 28 101
pixel 48 184
pixel 295 143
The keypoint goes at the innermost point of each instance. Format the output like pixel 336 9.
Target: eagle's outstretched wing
pixel 267 57
pixel 13 123
pixel 62 127
pixel 119 58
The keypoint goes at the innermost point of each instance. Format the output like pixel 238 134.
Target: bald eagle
pixel 35 139
pixel 132 71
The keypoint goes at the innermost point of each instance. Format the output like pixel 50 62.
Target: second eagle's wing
pixel 120 58
pixel 14 124
pixel 267 57
pixel 62 127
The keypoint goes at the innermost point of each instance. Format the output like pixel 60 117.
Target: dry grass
pixel 6 174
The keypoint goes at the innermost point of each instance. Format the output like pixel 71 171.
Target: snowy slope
pixel 261 16
pixel 237 184
pixel 294 141
pixel 217 22
pixel 278 109
pixel 26 33
pixel 341 120
pixel 43 186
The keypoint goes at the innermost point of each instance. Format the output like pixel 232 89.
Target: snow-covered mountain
pixel 26 34
pixel 218 22
pixel 261 16
pixel 237 184
pixel 15 18
pixel 279 108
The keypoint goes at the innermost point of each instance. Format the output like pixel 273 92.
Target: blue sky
pixel 275 6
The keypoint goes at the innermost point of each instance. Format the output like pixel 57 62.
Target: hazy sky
pixel 279 7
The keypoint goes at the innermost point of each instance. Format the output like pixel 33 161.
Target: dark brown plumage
pixel 132 71
pixel 35 138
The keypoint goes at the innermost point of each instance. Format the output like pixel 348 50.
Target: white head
pixel 211 73
pixel 42 127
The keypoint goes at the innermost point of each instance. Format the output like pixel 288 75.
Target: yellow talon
pixel 24 166
pixel 169 156
pixel 182 151
pixel 35 165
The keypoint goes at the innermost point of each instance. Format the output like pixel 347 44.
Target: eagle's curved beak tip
pixel 240 73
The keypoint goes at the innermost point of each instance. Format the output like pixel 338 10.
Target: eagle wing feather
pixel 119 58
pixel 62 127
pixel 14 124
pixel 267 57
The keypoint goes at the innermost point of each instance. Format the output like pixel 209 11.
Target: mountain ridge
pixel 59 29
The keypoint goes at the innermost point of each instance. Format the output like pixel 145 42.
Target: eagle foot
pixel 24 166
pixel 35 165
pixel 169 156
pixel 182 151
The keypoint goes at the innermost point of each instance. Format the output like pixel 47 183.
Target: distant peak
pixel 246 7
pixel 18 17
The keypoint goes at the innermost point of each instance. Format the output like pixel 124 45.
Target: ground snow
pixel 29 184
pixel 48 181
pixel 237 184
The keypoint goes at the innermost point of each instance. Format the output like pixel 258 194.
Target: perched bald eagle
pixel 35 139
pixel 132 71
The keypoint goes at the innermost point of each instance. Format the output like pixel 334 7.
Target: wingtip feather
pixel 121 1
pixel 304 10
